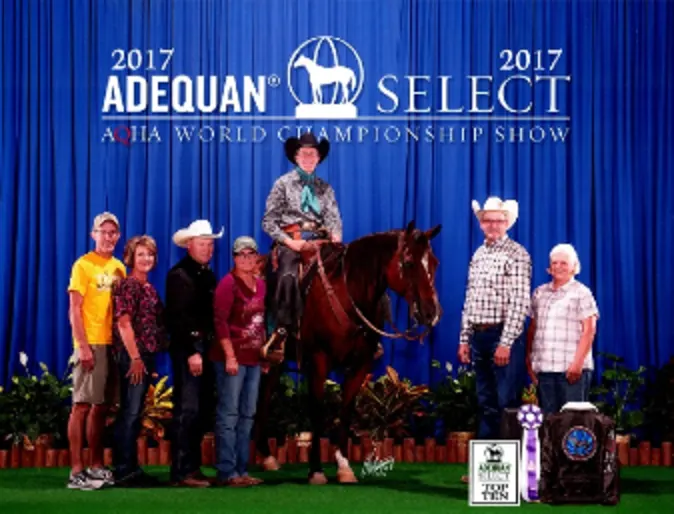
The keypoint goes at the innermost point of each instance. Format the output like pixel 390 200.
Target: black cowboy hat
pixel 293 144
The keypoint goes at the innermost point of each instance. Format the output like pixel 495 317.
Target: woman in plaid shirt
pixel 559 341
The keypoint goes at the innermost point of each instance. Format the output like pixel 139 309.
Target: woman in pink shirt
pixel 240 330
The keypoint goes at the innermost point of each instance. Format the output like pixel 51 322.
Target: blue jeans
pixel 498 387
pixel 237 400
pixel 128 423
pixel 554 390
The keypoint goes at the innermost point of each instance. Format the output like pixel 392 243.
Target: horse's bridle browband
pixel 341 314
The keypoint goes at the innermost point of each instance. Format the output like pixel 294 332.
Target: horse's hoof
pixel 318 479
pixel 270 464
pixel 346 476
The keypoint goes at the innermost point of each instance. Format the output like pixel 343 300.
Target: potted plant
pixel 35 409
pixel 454 401
pixel 618 395
pixel 659 412
pixel 289 409
pixel 385 406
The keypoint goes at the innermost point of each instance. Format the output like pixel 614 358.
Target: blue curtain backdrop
pixel 607 188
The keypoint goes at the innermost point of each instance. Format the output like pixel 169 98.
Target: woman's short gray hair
pixel 570 253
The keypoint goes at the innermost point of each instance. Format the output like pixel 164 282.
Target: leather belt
pixel 295 230
pixel 483 327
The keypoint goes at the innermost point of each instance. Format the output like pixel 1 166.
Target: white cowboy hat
pixel 494 204
pixel 198 228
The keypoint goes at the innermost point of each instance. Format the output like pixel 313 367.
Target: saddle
pixel 309 257
pixel 313 261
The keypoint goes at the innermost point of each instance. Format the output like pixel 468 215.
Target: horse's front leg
pixel 318 94
pixel 352 384
pixel 317 376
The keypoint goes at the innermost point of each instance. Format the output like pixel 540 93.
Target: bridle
pixel 338 309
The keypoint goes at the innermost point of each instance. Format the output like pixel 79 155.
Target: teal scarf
pixel 309 200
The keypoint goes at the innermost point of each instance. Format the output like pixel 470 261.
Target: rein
pixel 343 317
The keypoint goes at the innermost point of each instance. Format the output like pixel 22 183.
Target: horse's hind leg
pixel 269 383
pixel 317 374
pixel 352 384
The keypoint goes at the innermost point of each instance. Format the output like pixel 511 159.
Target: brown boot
pixel 274 349
pixel 192 482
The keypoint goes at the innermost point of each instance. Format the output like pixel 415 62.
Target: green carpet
pixel 423 488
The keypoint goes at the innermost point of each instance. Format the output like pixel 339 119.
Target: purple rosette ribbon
pixel 530 418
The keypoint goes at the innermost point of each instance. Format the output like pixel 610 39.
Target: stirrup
pixel 379 352
pixel 274 349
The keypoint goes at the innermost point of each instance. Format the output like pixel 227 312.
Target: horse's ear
pixel 430 234
pixel 410 227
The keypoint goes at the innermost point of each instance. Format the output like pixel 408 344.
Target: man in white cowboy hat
pixel 564 317
pixel 301 207
pixel 190 285
pixel 494 312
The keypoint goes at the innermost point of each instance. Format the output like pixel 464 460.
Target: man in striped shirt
pixel 495 308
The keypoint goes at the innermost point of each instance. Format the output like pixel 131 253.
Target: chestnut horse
pixel 342 323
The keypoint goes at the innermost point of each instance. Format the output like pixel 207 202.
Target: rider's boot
pixel 273 350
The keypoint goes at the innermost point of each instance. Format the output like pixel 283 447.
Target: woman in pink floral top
pixel 138 335
pixel 240 329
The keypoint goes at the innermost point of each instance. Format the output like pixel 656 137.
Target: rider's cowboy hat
pixel 198 228
pixel 494 204
pixel 293 144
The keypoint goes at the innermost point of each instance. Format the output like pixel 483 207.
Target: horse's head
pixel 301 61
pixel 411 273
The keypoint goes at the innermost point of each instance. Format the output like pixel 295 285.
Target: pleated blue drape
pixel 607 189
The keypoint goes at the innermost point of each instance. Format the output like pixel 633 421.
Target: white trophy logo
pixel 325 70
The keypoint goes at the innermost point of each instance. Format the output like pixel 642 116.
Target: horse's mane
pixel 366 260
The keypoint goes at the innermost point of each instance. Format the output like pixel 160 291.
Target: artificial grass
pixel 422 488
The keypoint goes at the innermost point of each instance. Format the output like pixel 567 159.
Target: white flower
pixel 43 367
pixel 23 359
pixel 448 367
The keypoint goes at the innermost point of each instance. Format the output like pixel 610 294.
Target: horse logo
pixel 493 453
pixel 318 62
pixel 580 444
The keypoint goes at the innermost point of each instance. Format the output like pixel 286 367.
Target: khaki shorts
pixel 100 385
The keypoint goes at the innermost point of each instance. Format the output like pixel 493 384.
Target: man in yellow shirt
pixel 94 385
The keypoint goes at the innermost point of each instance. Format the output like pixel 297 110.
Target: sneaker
pixel 83 482
pixel 103 475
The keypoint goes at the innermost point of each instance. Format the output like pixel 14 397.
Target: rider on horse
pixel 300 208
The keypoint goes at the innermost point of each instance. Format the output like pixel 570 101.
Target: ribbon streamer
pixel 530 418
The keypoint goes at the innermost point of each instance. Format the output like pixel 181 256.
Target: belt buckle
pixel 308 226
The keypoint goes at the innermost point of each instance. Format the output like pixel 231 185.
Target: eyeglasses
pixel 248 255
pixel 108 233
